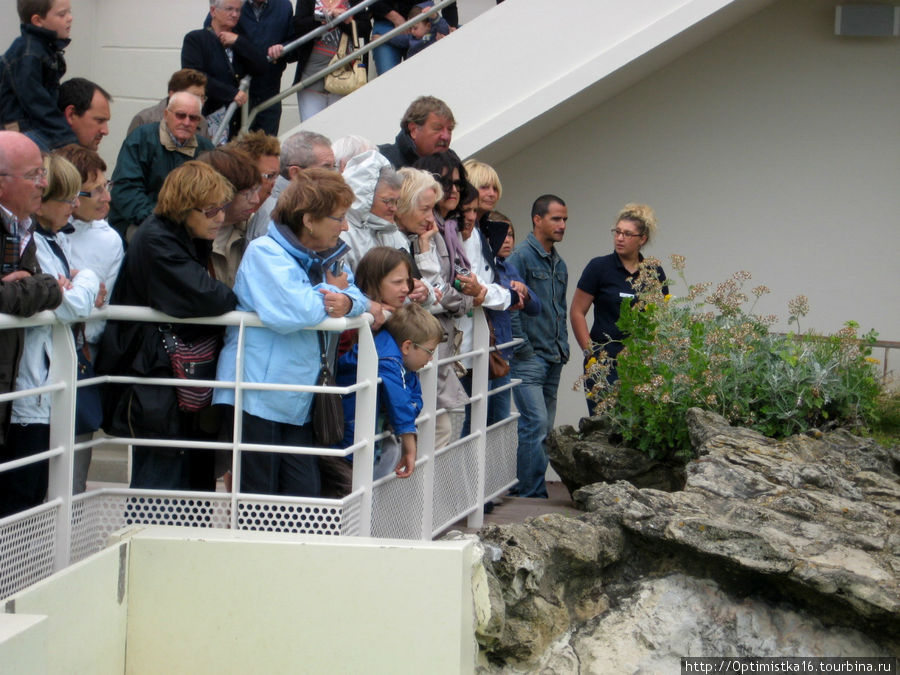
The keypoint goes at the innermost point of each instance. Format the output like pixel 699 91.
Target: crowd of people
pixel 296 231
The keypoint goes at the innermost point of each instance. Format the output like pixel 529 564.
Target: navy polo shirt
pixel 609 282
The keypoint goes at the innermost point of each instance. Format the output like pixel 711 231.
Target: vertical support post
pixel 364 428
pixel 425 444
pixel 481 342
pixel 63 368
pixel 238 428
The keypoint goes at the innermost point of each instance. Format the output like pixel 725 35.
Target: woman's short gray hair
pixel 388 178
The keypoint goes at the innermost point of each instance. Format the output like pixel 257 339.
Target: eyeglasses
pixel 391 203
pixel 182 116
pixel 35 175
pixel 213 211
pixel 338 220
pixel 622 233
pixel 97 192
pixel 230 10
pixel 424 349
pixel 71 202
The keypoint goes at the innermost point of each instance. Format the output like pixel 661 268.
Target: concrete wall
pixel 72 622
pixel 772 148
pixel 176 600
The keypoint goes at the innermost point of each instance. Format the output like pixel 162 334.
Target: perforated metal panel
pixel 297 517
pixel 26 551
pixel 350 518
pixel 500 456
pixel 397 505
pixel 191 512
pixel 455 483
pixel 88 533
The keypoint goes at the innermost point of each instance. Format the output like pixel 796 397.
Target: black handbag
pixel 327 408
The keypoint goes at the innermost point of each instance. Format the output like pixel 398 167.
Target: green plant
pixel 709 349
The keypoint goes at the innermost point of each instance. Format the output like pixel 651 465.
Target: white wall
pixel 187 600
pixel 772 148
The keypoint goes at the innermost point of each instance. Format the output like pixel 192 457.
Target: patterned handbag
pixel 191 361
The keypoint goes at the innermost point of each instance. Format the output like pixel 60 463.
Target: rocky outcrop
pixel 587 456
pixel 803 533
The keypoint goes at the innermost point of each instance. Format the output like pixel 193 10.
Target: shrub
pixel 708 349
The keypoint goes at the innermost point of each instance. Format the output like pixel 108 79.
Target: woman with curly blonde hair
pixel 605 282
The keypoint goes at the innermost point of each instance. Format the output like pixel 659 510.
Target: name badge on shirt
pixel 626 295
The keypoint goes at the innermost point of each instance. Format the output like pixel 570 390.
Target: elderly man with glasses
pixel 24 290
pixel 148 155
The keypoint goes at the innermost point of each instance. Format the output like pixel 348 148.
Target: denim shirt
pixel 546 275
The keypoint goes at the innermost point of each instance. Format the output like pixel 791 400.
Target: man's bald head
pixel 22 180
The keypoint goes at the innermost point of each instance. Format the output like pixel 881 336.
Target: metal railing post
pixel 425 444
pixel 480 341
pixel 63 368
pixel 364 427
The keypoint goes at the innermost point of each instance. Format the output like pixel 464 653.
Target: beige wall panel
pixel 772 148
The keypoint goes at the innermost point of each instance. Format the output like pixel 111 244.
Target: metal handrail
pixel 244 86
pixel 350 58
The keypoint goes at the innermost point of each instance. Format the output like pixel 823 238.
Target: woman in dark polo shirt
pixel 605 282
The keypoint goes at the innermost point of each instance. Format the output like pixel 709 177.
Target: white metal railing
pixel 448 484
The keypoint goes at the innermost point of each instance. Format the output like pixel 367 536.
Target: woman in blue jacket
pixel 292 278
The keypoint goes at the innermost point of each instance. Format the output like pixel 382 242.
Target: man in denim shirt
pixel 538 361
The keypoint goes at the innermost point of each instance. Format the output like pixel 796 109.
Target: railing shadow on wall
pixel 447 485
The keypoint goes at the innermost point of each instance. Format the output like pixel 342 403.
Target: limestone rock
pixel 550 572
pixel 772 548
pixel 587 456
pixel 819 517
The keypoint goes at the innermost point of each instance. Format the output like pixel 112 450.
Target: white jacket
pixel 34 368
pixel 97 247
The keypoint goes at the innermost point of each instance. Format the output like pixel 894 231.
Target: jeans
pixel 273 472
pixel 312 102
pixel 536 401
pixel 386 56
pixel 498 404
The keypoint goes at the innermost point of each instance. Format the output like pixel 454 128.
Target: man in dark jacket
pixel 148 155
pixel 23 289
pixel 268 24
pixel 426 128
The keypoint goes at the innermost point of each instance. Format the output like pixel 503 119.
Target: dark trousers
pixel 177 468
pixel 24 487
pixel 274 473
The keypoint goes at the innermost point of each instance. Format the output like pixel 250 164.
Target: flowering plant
pixel 709 350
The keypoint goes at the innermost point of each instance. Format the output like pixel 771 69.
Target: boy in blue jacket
pixel 405 345
pixel 30 72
